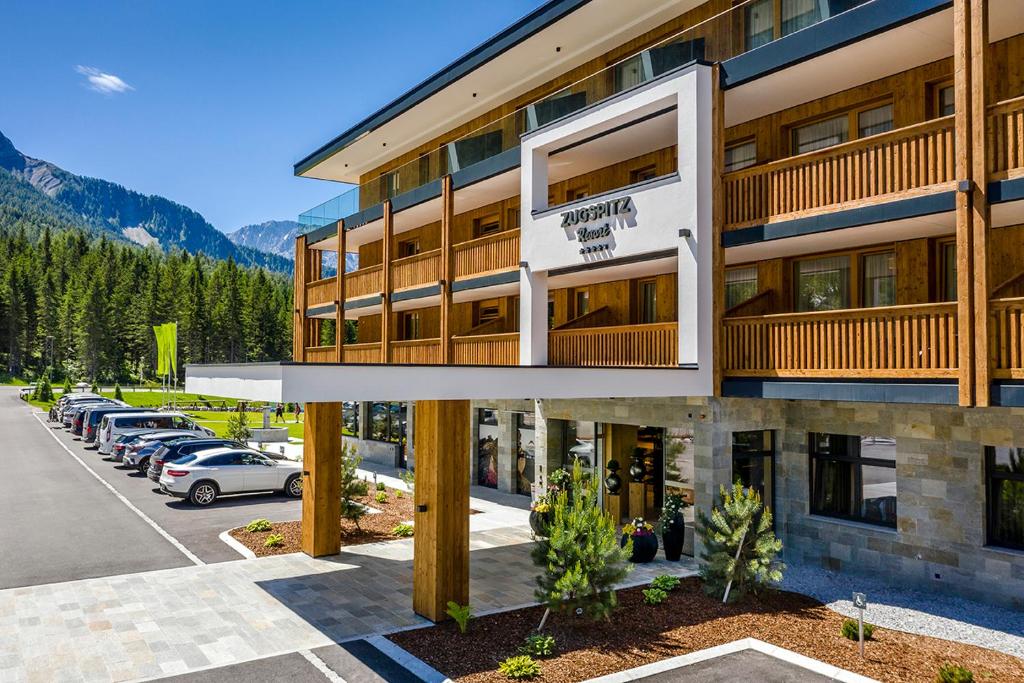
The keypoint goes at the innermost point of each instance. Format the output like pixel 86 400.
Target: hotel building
pixel 688 242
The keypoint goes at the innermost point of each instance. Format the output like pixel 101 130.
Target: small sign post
pixel 860 601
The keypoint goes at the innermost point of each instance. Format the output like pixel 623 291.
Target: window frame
pixel 411 325
pixel 858 482
pixel 735 145
pixel 856 286
pixel 943 278
pixel 993 476
pixel 643 315
pixel 488 225
pixel 636 173
pixel 757 284
pixel 577 294
pixel 767 453
pixel 935 89
pixel 853 123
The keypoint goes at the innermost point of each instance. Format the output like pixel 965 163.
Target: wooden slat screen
pixel 486 349
pixel 1007 338
pixel 320 292
pixel 417 351
pixel 364 282
pixel 321 354
pixel 362 353
pixel 420 269
pixel 1006 137
pixel 486 254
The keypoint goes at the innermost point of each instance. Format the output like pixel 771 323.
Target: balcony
pixel 650 345
pixel 416 352
pixel 900 163
pixel 489 254
pixel 915 341
pixel 486 349
pixel 420 269
pixel 321 354
pixel 1006 330
pixel 1006 138
pixel 321 292
pixel 361 353
pixel 364 282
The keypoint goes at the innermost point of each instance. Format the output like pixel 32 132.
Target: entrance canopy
pixel 324 383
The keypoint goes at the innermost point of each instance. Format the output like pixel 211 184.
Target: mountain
pixel 35 187
pixel 278 237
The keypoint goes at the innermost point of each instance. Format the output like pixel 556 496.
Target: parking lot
pixel 74 515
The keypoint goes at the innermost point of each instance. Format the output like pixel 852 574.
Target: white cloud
pixel 102 82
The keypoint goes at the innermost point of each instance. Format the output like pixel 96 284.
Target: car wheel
pixel 293 487
pixel 143 465
pixel 203 493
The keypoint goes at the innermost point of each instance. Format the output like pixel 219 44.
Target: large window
pixel 822 284
pixel 947 284
pixel 853 477
pixel 525 449
pixel 387 422
pixel 488 438
pixel 874 121
pixel 647 294
pixel 411 325
pixel 759 23
pixel 835 130
pixel 753 463
pixel 1004 474
pixel 878 279
pixel 763 25
pixel 740 155
pixel 350 418
pixel 740 285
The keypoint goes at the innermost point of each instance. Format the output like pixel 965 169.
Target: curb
pixel 236 546
pixel 408 661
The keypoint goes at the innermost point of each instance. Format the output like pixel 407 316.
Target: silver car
pixel 204 476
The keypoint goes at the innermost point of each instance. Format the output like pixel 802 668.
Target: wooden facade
pixel 955 307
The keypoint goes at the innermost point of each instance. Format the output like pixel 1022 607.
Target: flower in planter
pixel 639 535
pixel 541 505
pixel 638 527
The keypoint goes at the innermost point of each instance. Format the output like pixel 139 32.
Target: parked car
pixel 226 471
pixel 26 391
pixel 112 426
pixel 170 451
pixel 65 402
pixel 67 419
pixel 138 453
pixel 78 418
pixel 93 415
pixel 124 440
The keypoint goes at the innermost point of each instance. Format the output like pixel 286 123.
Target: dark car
pixel 91 422
pixel 137 453
pixel 78 417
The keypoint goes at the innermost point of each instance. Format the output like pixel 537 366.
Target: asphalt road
pixel 59 523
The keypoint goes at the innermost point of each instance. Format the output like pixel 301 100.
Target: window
pixel 854 477
pixel 753 463
pixel 1004 486
pixel 515 313
pixel 879 280
pixel 943 100
pixel 740 155
pixel 387 422
pixel 647 295
pixel 874 121
pixel 488 437
pixel 740 285
pixel 388 185
pixel 948 276
pixel 821 134
pixel 410 325
pixel 350 418
pixel 577 193
pixel 759 23
pixel 424 162
pixel 487 311
pixel 822 284
pixel 638 175
pixel 582 301
pixel 222 460
pixel 408 248
pixel 488 225
pixel 551 314
pixel 468 151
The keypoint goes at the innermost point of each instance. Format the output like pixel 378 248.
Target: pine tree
pixel 351 486
pixel 117 393
pixel 238 425
pixel 740 522
pixel 580 560
pixel 67 386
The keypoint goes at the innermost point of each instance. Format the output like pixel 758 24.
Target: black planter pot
pixel 644 548
pixel 539 522
pixel 673 538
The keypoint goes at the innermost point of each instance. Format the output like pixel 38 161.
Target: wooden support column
pixel 299 299
pixel 339 302
pixel 385 309
pixel 980 212
pixel 962 85
pixel 441 541
pixel 447 272
pixel 321 480
pixel 717 220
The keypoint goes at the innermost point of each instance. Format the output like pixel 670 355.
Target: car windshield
pixel 183 459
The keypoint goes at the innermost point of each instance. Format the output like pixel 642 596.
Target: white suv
pixel 203 476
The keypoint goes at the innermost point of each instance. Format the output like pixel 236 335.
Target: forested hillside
pixel 85 305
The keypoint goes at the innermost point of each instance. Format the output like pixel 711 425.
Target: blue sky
pixel 210 103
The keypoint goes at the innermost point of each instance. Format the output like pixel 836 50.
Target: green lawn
pixel 218 421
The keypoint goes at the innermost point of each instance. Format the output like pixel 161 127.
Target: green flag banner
pixel 171 330
pixel 161 353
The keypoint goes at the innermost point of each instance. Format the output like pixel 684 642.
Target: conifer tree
pixel 351 486
pixel 581 559
pixel 739 544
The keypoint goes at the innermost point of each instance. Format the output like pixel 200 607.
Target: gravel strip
pixel 941 616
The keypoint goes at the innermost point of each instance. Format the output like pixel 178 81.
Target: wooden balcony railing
pixel 904 160
pixel 896 341
pixel 486 349
pixel 320 292
pixel 487 254
pixel 1006 338
pixel 416 351
pixel 1006 138
pixel 363 282
pixel 361 353
pixel 421 269
pixel 321 354
pixel 652 345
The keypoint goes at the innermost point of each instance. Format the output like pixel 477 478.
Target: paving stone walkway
pixel 173 621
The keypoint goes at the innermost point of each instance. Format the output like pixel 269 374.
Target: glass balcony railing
pixel 745 26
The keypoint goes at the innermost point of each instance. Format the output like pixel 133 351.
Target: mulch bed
pixel 688 621
pixel 373 527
